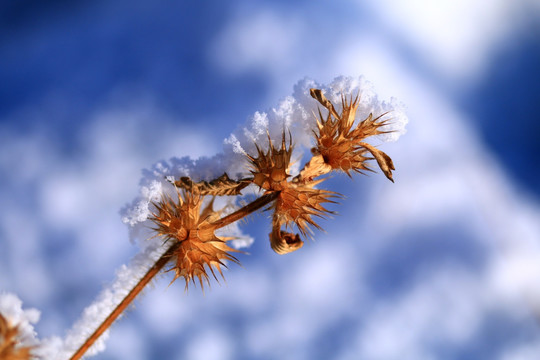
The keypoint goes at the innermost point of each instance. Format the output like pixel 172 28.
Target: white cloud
pixel 126 334
pixel 212 343
pixel 522 352
pixel 514 276
pixel 442 307
pixel 265 40
pixel 455 37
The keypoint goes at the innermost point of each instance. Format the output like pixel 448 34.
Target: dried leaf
pixel 284 242
pixel 319 96
pixel 384 161
pixel 314 168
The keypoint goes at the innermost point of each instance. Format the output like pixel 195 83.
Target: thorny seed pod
pixel 340 145
pixel 199 249
pixel 10 349
pixel 270 169
pixel 297 205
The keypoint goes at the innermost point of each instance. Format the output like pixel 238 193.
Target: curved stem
pixel 153 271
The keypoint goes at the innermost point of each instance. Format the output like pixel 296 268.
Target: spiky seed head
pixel 297 205
pixel 10 348
pixel 270 168
pixel 199 249
pixel 199 253
pixel 340 143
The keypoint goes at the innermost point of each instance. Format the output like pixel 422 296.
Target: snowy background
pixel 443 264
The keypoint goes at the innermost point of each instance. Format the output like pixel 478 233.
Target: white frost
pixel 141 209
pixel 11 309
pixel 296 113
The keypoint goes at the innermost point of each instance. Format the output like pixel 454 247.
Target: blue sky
pixel 443 264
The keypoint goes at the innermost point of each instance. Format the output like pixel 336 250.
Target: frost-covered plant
pixel 17 336
pixel 187 215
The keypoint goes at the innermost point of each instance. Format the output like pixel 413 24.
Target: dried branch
pixel 222 186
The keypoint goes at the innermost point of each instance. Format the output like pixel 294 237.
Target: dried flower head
pixel 270 169
pixel 198 248
pixel 297 205
pixel 340 144
pixel 10 349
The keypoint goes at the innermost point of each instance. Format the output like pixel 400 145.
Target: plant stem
pixel 244 211
pixel 159 264
pixel 120 308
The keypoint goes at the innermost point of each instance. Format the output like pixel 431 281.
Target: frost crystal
pixel 11 310
pixel 296 114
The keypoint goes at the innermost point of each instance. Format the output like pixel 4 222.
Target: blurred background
pixel 443 264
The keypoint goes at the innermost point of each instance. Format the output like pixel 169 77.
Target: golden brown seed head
pixel 297 204
pixel 340 143
pixel 270 169
pixel 199 249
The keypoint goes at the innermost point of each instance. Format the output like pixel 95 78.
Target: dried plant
pixel 188 223
pixel 296 201
pixel 190 230
pixel 340 145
